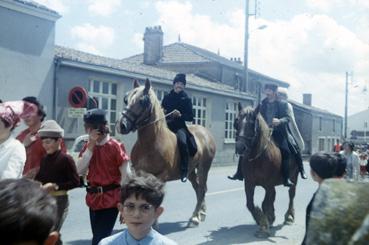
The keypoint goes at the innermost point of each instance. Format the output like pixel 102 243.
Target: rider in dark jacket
pixel 178 102
pixel 275 113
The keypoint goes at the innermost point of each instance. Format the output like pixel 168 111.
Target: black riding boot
pixel 300 165
pixel 238 175
pixel 285 170
pixel 183 151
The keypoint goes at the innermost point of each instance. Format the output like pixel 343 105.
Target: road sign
pixel 77 97
pixel 76 112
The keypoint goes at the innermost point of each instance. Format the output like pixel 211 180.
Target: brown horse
pixel 155 150
pixel 261 163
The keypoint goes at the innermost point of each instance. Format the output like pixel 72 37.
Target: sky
pixel 310 44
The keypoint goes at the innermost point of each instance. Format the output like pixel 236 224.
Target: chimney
pixel 153 45
pixel 306 99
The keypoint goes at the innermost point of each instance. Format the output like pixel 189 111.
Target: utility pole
pixel 246 47
pixel 346 103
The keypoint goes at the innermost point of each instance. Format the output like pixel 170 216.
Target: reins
pixel 155 121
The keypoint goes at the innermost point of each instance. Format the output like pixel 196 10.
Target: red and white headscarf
pixel 13 111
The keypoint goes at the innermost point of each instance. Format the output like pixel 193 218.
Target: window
pixel 106 96
pixel 230 115
pixel 320 123
pixel 329 145
pixel 199 110
pixel 321 144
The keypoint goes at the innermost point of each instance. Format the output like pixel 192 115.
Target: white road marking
pixel 225 191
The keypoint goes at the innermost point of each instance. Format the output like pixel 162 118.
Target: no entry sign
pixel 77 97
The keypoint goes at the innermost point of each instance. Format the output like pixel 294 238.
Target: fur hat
pixel 271 86
pixel 180 77
pixel 95 116
pixel 51 129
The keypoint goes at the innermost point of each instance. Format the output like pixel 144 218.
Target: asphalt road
pixel 228 221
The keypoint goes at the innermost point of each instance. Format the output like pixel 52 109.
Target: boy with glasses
pixel 141 197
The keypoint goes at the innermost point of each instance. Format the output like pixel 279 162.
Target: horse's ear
pixel 147 86
pixel 239 107
pixel 136 84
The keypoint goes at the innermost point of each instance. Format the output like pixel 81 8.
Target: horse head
pixel 246 125
pixel 137 112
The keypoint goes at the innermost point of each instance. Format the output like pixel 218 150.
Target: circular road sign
pixel 77 97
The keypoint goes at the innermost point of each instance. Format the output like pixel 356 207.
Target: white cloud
pixel 103 8
pixel 58 5
pixel 330 5
pixel 94 39
pixel 311 52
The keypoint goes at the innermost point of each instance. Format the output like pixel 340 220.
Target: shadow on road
pixel 79 242
pixel 239 235
pixel 172 227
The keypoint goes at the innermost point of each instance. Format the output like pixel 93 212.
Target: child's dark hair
pixel 7 124
pixel 340 165
pixel 143 185
pixel 27 212
pixel 327 165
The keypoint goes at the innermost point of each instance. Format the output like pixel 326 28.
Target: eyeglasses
pixel 130 208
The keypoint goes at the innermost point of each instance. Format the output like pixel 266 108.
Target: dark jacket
pixel 281 133
pixel 181 102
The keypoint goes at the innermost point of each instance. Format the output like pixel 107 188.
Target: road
pixel 228 221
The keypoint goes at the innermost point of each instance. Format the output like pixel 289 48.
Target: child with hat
pixel 12 152
pixel 30 138
pixel 58 172
pixel 106 161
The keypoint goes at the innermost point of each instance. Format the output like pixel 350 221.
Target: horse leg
pixel 256 212
pixel 268 204
pixel 289 217
pixel 195 219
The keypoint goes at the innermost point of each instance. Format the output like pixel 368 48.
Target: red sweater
pixel 104 170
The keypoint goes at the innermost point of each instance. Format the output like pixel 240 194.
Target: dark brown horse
pixel 261 164
pixel 155 150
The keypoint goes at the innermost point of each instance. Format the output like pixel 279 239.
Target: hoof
pixel 202 216
pixel 289 220
pixel 262 233
pixel 193 222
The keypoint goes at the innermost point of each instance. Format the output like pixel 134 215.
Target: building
pixel 319 128
pixel 216 84
pixel 27 51
pixel 357 127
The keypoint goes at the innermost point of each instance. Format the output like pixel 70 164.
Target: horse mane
pixel 262 130
pixel 157 111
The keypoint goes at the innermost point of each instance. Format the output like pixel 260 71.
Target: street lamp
pixel 246 46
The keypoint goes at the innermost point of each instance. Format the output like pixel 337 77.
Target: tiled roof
pixel 313 108
pixel 36 5
pixel 185 53
pixel 136 68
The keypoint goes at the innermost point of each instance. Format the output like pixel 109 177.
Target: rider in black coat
pixel 178 102
pixel 275 113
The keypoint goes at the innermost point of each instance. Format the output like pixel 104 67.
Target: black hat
pixel 180 77
pixel 95 116
pixel 40 107
pixel 271 86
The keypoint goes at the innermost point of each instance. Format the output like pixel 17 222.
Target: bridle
pixel 135 118
pixel 137 124
pixel 252 140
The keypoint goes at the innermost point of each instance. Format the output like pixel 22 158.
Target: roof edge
pixel 31 9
